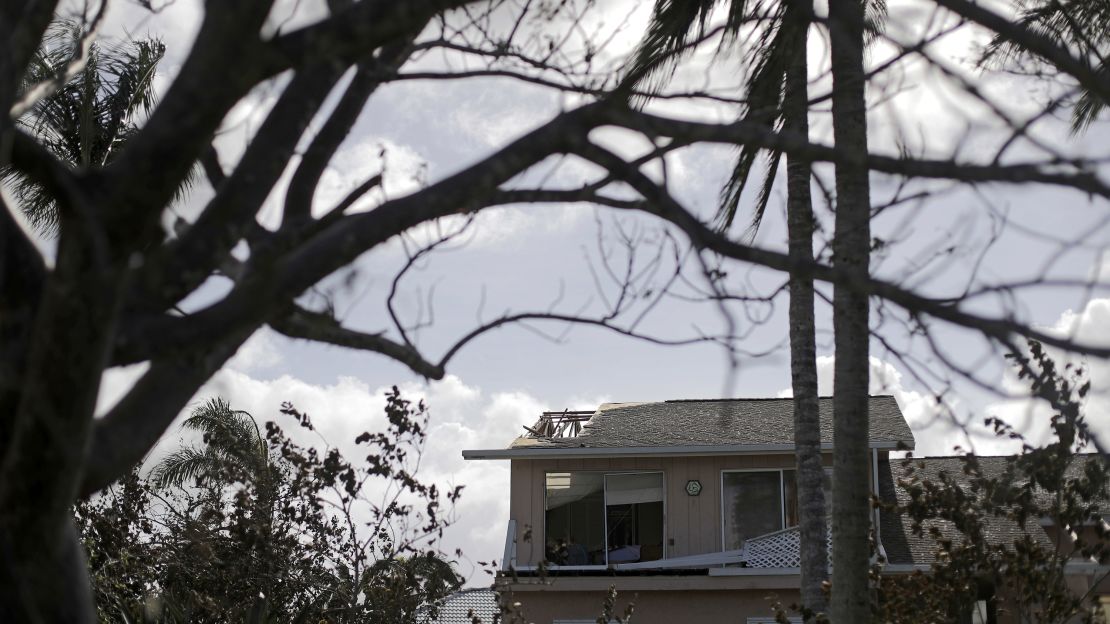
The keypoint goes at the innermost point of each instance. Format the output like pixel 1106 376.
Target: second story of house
pixel 643 485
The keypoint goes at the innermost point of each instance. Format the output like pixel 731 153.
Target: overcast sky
pixel 520 259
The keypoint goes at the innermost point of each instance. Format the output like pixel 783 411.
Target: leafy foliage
pixel 1053 483
pixel 257 528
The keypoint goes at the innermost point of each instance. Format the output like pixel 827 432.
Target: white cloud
pixel 403 171
pixel 259 352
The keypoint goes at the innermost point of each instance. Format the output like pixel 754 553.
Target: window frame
pixel 605 515
pixel 721 496
pixel 782 493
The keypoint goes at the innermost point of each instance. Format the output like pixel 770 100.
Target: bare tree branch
pixel 321 327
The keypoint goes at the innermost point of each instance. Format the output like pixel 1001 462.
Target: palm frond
pixel 1087 109
pixel 674 23
pixel 874 16
pixel 84 122
pixel 764 197
pixel 183 465
pixel 765 91
pixel 1079 25
pixel 231 435
pixel 132 69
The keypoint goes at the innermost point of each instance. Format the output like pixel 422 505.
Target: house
pixel 688 507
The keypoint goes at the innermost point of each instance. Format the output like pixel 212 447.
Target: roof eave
pixel 660 451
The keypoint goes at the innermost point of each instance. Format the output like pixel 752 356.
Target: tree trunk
pixel 42 570
pixel 851 251
pixel 803 359
pixel 50 586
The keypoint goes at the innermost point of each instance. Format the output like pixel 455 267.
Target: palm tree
pixel 851 308
pixel 1083 25
pixel 778 98
pixel 233 450
pixel 85 122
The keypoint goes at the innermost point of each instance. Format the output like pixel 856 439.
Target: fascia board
pixel 651 451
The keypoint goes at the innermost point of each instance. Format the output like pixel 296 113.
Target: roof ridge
pixel 727 399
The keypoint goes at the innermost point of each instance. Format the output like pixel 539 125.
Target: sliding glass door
pixel 634 517
pixel 596 518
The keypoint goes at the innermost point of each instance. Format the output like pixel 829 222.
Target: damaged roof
pixel 714 422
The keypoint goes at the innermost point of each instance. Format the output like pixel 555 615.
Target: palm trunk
pixel 851 246
pixel 803 359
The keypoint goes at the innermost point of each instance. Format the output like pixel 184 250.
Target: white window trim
pixel 605 521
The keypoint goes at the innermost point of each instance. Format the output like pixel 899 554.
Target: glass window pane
pixel 790 486
pixel 574 522
pixel 634 517
pixel 752 506
pixel 626 489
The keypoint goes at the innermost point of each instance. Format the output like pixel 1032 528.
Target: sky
pixel 517 259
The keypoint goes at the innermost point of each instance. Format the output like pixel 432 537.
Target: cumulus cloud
pixel 260 352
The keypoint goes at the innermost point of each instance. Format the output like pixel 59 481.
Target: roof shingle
pixel 715 422
pixel 463 606
pixel 902 546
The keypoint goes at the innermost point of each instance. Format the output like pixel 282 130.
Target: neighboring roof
pixel 724 424
pixel 896 535
pixel 463 606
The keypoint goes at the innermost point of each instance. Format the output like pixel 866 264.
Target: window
pixel 594 518
pixel 758 502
